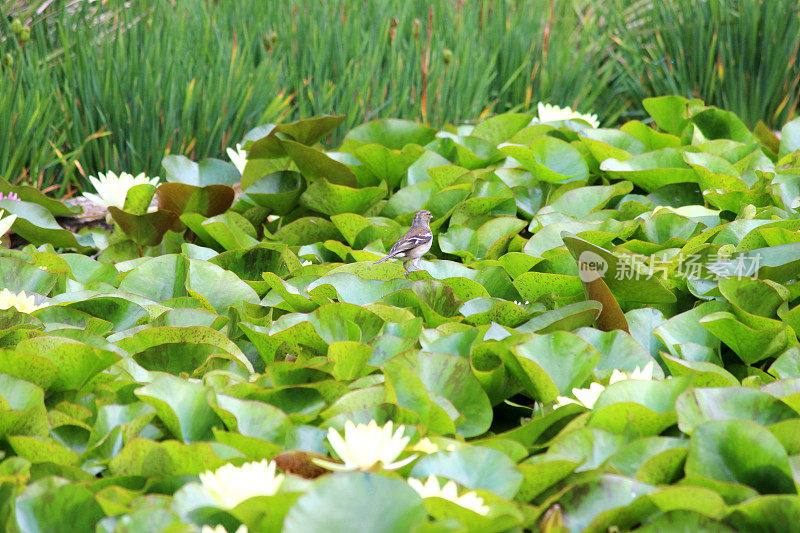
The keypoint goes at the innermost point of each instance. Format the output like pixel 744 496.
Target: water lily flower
pixel 6 223
pixel 230 485
pixel 221 529
pixel 367 446
pixel 645 374
pixel 238 157
pixel 588 397
pixel 553 113
pixel 9 196
pixel 23 303
pixel 429 489
pixel 424 445
pixel 584 397
pixel 112 189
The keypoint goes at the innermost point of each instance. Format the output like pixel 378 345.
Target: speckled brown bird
pixel 415 243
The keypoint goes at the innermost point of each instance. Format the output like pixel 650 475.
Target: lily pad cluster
pixel 604 334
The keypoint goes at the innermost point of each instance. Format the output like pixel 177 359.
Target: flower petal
pixel 336 467
pixel 400 464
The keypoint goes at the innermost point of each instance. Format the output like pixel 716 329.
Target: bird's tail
pixel 382 260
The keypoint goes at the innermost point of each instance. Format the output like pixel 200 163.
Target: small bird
pixel 415 243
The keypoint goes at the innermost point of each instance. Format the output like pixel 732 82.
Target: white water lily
pixel 23 303
pixel 367 446
pixel 6 223
pixel 553 113
pixel 449 491
pixel 645 374
pixel 588 397
pixel 424 445
pixel 221 529
pixel 584 397
pixel 112 189
pixel 238 157
pixel 230 485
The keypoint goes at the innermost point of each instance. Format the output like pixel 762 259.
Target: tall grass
pixel 113 85
pixel 147 81
pixel 738 54
pixel 438 61
pixel 131 84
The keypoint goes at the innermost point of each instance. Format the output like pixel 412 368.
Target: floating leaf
pixel 36 224
pixel 182 407
pixel 549 159
pixel 180 198
pixel 740 451
pixel 210 171
pixel 315 165
pixel 381 505
pixel 652 170
pixel 555 363
pixel 697 406
pixel 147 229
pixel 277 191
pixel 392 133
pixel 450 377
pixel 475 468
pixel 333 199
pixel 32 195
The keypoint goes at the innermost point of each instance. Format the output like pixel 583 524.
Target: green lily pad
pixel 549 365
pixel 609 143
pixel 180 198
pixel 593 503
pixel 637 407
pixel 28 193
pixel 652 170
pixel 740 451
pixel 448 378
pixel 475 468
pixel 394 134
pixel 549 159
pixel 147 229
pixel 182 407
pixel 315 164
pixel 46 504
pixel 670 112
pixel 17 275
pixel 697 406
pixel 278 191
pixel 36 224
pixel 77 362
pixel 180 169
pixel 381 505
pixel 765 513
pixel 145 457
pixel 23 411
pixel 333 199
pixel 720 124
pixel 751 345
pixel 389 165
pixel 633 288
